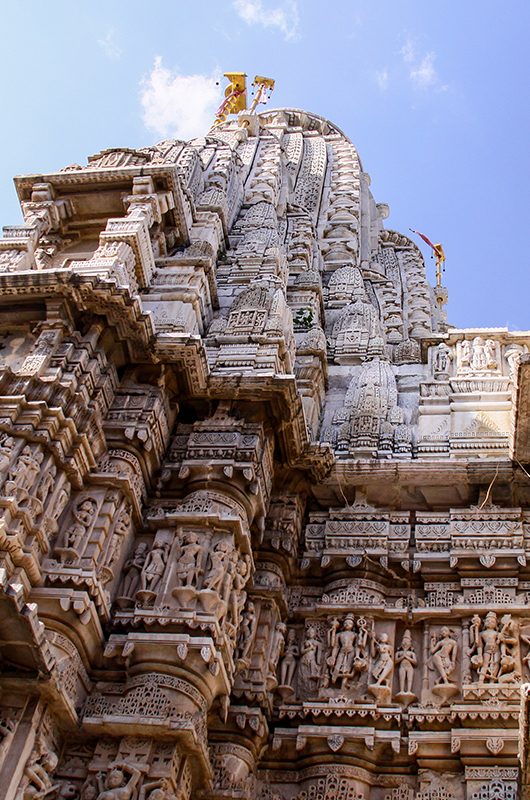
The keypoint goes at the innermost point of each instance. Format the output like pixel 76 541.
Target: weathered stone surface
pixel 264 516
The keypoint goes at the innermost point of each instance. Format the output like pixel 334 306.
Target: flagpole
pixel 439 257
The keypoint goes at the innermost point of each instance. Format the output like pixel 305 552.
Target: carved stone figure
pixel 46 483
pixel 466 353
pixel 510 670
pixel 60 502
pixel 132 570
pixel 154 567
pixel 490 354
pixel 231 563
pixel 526 659
pixel 331 641
pixel 237 597
pixel 343 654
pixel 247 632
pixel 444 651
pixel 277 647
pixel 513 357
pixel 361 646
pixel 188 564
pixel 84 514
pixel 37 781
pixel 479 359
pixel 120 783
pixel 441 359
pixel 478 355
pixel 218 562
pixel 289 660
pixel 121 530
pixel 155 790
pixel 310 656
pixel 7 445
pixel 24 471
pixel 384 663
pixel 494 649
pixel 407 662
pixel 382 668
pixel 486 642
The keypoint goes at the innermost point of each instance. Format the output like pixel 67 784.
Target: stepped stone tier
pixel 265 516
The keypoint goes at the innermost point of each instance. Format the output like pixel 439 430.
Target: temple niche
pixel 264 513
pixel 371 420
pixel 357 334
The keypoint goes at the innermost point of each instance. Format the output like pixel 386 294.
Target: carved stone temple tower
pixel 265 519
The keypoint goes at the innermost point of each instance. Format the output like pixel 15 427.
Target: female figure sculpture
pixel 310 659
pixel 290 659
pixel 407 661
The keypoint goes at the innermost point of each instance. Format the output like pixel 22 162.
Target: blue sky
pixel 435 95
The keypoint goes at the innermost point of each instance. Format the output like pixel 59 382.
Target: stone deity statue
pixel 441 359
pixel 132 570
pixel 277 647
pixel 407 661
pixel 121 530
pixel 384 663
pixel 218 562
pixel 247 631
pixel 465 353
pixel 444 652
pixel 479 359
pixel 289 660
pixel 237 597
pixel 154 567
pixel 490 354
pixel 310 657
pixel 188 567
pixel 342 656
pixel 494 649
pixel 486 644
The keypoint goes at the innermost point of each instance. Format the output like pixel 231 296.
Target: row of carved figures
pixel 352 647
pixel 199 572
pixel 349 646
pixel 477 355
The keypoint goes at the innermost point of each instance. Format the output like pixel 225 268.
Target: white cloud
pixel 424 73
pixel 381 78
pixel 109 46
pixel 421 69
pixel 408 51
pixel 285 18
pixel 180 106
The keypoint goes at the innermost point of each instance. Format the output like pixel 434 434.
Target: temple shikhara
pixel 265 514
